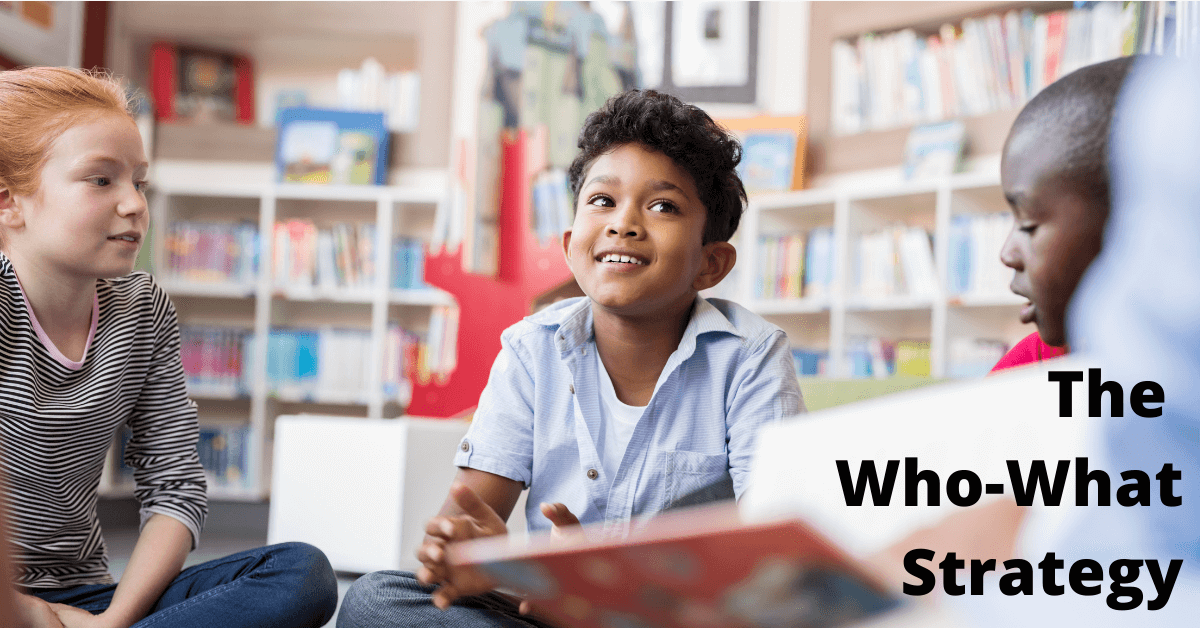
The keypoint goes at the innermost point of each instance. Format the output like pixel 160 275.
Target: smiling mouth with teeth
pixel 125 238
pixel 623 259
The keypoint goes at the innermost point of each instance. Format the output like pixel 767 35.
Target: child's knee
pixel 382 597
pixel 317 589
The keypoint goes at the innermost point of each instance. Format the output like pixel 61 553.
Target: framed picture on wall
pixel 773 149
pixel 41 33
pixel 328 146
pixel 708 51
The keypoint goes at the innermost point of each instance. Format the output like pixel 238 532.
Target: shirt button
pixel 593 474
pixel 465 446
pixel 572 389
pixel 583 350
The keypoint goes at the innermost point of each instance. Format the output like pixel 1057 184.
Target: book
pixel 693 567
pixel 992 62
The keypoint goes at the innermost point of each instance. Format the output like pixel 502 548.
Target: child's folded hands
pixel 477 519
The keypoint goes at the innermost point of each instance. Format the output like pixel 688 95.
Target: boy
pixel 1055 178
pixel 623 402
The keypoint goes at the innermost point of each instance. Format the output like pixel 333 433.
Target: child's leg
pixel 289 585
pixel 394 599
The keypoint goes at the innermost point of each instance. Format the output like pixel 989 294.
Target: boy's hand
pixel 564 523
pixel 477 520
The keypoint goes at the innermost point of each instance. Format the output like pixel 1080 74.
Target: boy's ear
pixel 719 258
pixel 566 240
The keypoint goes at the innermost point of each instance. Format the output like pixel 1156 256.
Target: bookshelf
pixel 832 322
pixel 260 307
pixel 223 174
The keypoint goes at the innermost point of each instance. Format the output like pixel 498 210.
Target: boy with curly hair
pixel 638 396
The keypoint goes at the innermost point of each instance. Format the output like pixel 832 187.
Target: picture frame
pixel 42 33
pixel 329 146
pixel 773 151
pixel 191 84
pixel 710 51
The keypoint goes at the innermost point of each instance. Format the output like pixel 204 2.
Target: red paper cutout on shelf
pixel 489 305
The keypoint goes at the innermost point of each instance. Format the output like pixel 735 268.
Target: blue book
pixel 960 254
pixel 308 356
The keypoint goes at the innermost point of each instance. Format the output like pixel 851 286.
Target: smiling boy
pixel 1055 179
pixel 624 402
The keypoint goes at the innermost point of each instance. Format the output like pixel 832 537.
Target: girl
pixel 85 347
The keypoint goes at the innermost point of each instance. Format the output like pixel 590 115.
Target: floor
pixel 231 527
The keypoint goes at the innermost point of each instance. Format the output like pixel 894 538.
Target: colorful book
pixel 694 567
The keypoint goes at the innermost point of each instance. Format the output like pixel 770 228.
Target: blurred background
pixel 351 199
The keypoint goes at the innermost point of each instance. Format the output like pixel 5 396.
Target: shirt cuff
pixel 146 513
pixel 480 461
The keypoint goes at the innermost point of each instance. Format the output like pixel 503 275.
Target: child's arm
pixel 765 390
pixel 157 558
pixel 167 474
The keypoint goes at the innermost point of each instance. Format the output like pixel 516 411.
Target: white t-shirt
pixel 618 421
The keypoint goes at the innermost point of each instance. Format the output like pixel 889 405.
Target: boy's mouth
pixel 621 258
pixel 1028 313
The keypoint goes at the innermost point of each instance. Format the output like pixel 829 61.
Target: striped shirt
pixel 539 419
pixel 58 419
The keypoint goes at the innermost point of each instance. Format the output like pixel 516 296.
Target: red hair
pixel 36 105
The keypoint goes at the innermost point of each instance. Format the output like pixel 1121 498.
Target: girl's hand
pixel 72 617
pixel 34 612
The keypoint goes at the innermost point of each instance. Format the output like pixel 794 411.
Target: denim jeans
pixel 289 585
pixel 394 599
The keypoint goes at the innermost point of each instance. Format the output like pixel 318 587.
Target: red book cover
pixel 694 568
pixel 1054 42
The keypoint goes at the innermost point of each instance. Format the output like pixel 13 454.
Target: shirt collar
pixel 573 321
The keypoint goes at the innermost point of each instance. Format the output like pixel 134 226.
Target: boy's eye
pixel 1027 229
pixel 142 186
pixel 101 181
pixel 601 201
pixel 666 207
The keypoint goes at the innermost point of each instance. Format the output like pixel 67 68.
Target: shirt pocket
pixel 694 478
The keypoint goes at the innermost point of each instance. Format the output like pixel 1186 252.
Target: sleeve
pixel 765 391
pixel 500 439
pixel 162 452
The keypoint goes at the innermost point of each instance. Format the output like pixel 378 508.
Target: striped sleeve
pixel 162 450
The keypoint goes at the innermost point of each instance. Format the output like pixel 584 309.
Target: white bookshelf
pixel 856 204
pixel 221 192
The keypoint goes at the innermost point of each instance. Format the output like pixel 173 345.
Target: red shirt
pixel 1031 349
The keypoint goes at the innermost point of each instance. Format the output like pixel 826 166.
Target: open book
pixel 693 568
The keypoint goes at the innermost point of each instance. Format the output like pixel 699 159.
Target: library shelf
pixel 223 193
pixel 1000 299
pixel 861 204
pixel 790 306
pixel 221 289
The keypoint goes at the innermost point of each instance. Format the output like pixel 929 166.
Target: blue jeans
pixel 394 599
pixel 289 585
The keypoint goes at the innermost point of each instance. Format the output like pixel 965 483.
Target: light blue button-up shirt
pixel 731 374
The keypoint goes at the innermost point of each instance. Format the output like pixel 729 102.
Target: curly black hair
pixel 684 133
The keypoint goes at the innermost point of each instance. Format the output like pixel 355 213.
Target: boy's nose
pixel 1010 253
pixel 626 223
